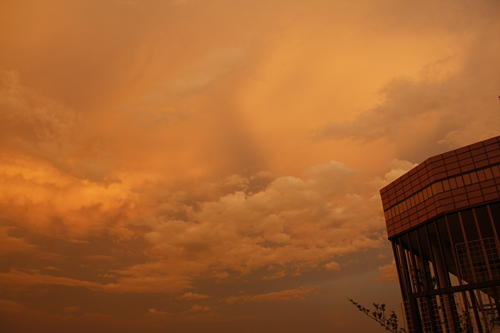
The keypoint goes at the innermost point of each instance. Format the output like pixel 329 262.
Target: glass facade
pixel 447 255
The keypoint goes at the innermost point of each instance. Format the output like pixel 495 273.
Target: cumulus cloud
pixel 393 170
pixel 387 273
pixel 293 223
pixel 335 266
pixel 51 268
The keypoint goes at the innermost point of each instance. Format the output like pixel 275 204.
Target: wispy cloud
pixel 276 296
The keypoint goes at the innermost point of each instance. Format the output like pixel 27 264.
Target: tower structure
pixel 443 220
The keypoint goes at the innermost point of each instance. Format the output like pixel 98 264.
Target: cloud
pixel 11 306
pixel 189 296
pixel 18 316
pixel 387 273
pixel 46 129
pixel 292 223
pixel 332 266
pixel 198 76
pixel 155 277
pixel 438 110
pixel 191 155
pixel 70 309
pixel 17 278
pixel 51 268
pixel 330 179
pixel 276 296
pixel 277 275
pixel 99 257
pixel 143 284
pixel 63 205
pixel 10 244
pixel 424 117
pixel 197 313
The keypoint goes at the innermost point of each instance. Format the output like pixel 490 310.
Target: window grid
pixel 479 260
pixel 439 187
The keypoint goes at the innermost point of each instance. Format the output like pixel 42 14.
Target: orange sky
pixel 214 165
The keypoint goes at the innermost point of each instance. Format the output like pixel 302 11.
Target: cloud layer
pixel 195 165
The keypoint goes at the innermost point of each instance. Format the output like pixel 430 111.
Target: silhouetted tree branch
pixel 389 323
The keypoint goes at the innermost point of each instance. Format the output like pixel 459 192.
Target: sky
pixel 215 165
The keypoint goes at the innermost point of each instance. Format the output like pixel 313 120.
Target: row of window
pixel 442 186
pixel 458 248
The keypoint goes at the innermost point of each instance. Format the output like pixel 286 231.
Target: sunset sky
pixel 215 165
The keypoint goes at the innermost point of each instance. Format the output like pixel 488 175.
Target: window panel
pixel 473 177
pixel 455 228
pixel 495 212
pixel 496 171
pixel 481 176
pixel 483 220
pixel 467 180
pixel 453 183
pixel 469 225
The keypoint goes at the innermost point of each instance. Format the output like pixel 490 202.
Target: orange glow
pixel 215 166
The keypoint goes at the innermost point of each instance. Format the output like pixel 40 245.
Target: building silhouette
pixel 443 220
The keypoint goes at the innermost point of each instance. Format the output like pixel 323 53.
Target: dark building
pixel 443 220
